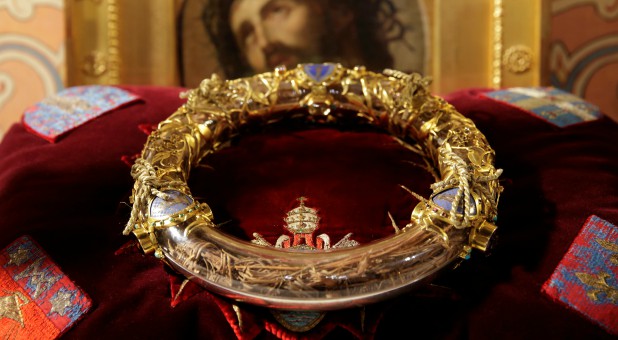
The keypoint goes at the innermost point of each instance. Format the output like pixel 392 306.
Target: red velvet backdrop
pixel 72 196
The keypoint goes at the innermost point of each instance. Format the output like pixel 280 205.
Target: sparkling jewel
pixel 318 72
pixel 177 201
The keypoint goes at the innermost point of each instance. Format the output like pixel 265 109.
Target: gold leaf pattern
pixel 598 282
pixel 10 307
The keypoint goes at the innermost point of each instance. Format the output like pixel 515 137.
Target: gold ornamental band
pixel 443 228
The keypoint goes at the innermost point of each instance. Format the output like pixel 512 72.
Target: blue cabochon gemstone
pixel 177 201
pixel 445 200
pixel 318 72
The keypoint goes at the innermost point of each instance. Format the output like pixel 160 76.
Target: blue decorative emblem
pixel 553 105
pixel 446 198
pixel 319 72
pixel 37 300
pixel 176 201
pixel 72 107
pixel 586 279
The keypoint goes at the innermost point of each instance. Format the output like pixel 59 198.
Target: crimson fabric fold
pixel 72 198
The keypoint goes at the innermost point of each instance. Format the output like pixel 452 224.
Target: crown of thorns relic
pixel 458 216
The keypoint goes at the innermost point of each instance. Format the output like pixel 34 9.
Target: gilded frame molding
pixel 473 43
pixel 488 43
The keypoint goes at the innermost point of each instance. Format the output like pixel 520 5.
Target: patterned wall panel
pixel 583 51
pixel 583 54
pixel 32 55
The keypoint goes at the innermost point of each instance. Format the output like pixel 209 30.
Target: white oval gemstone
pixel 176 201
pixel 445 200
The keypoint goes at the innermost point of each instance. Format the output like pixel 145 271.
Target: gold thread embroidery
pixel 60 302
pixel 67 104
pixel 40 278
pixel 600 286
pixel 10 306
pixel 611 247
pixel 19 256
pixel 565 102
pixel 598 282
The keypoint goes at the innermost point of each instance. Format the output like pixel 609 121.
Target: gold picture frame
pixel 489 43
pixel 473 43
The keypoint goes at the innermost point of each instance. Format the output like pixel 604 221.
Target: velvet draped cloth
pixel 71 196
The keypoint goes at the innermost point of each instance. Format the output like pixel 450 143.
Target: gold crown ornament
pixel 443 228
pixel 302 222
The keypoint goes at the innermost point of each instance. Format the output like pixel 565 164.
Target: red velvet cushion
pixel 71 197
pixel 352 177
